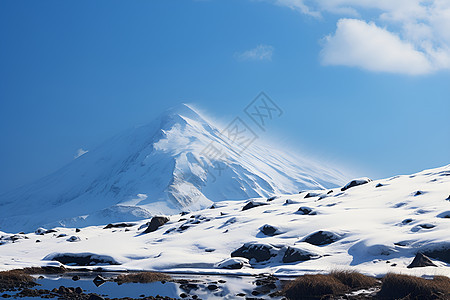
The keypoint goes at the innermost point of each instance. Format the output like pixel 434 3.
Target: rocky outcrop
pixel 421 260
pixel 155 223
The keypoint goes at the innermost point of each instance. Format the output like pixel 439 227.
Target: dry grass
pixel 354 280
pixel 398 286
pixel 320 286
pixel 142 277
pixel 14 279
pixel 314 287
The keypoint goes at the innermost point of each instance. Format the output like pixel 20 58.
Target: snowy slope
pixel 379 226
pixel 163 167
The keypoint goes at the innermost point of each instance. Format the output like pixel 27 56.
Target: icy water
pixel 203 286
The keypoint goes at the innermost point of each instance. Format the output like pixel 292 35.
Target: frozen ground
pixel 376 227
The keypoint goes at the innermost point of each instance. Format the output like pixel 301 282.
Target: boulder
pixel 311 195
pixel 293 254
pixel 233 263
pixel 73 238
pixel 257 251
pixel 155 223
pixel 321 237
pixel 420 260
pixel 304 210
pixel 119 225
pixel 99 280
pixel 40 231
pixel 81 259
pixel 356 182
pixel 253 204
pixel 269 230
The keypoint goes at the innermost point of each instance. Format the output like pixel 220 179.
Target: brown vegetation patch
pixel 398 286
pixel 15 279
pixel 314 287
pixel 354 280
pixel 142 277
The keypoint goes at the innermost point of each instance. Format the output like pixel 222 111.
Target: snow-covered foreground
pixel 375 228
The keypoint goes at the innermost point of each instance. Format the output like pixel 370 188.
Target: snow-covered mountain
pixel 180 161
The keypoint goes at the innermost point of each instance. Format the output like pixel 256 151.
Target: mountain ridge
pixel 157 168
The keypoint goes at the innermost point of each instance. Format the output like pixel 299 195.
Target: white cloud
pixel 416 31
pixel 261 52
pixel 359 44
pixel 80 152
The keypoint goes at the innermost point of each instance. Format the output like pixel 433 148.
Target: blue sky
pixel 364 87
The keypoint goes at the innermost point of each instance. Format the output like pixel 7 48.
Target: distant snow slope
pixel 166 166
pixel 376 227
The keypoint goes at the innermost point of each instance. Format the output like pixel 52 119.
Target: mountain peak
pixel 162 168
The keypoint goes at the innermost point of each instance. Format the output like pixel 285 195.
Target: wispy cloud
pixel 80 152
pixel 403 36
pixel 261 52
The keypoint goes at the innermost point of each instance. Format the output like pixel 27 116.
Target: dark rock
pixel 76 278
pixel 311 195
pixel 444 215
pixel 99 280
pixel 448 198
pixel 183 213
pixel 296 254
pixel 418 193
pixel 212 287
pixel 379 185
pixel 240 295
pixel 320 238
pixel 427 226
pixel 407 221
pixel 271 198
pixel 81 259
pixel 256 251
pixel 269 230
pixel 95 297
pixel 155 223
pixel 253 204
pixel 421 261
pixel 119 225
pixel 78 290
pixel 356 182
pixel 183 295
pixel 77 230
pixel 50 231
pixel 212 207
pixel 329 192
pixel 304 210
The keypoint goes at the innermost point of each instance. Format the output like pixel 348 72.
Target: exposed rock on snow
pixel 73 238
pixel 269 230
pixel 81 259
pixel 256 251
pixel 356 182
pixel 119 225
pixel 253 204
pixel 155 223
pixel 296 254
pixel 304 210
pixel 233 263
pixel 321 238
pixel 421 260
